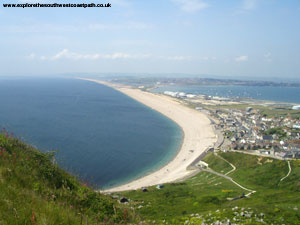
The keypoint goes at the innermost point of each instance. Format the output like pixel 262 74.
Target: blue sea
pixel 278 94
pixel 102 135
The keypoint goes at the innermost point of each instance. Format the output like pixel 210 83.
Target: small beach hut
pixel 160 186
pixel 123 200
pixel 144 189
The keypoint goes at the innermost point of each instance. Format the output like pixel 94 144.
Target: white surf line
pixel 290 170
pixel 233 167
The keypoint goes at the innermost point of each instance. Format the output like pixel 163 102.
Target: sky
pixel 250 38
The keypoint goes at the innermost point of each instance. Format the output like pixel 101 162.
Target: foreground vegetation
pixel 210 198
pixel 33 190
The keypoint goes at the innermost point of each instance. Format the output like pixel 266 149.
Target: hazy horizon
pixel 155 75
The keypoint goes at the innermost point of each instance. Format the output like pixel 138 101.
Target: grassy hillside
pixel 33 190
pixel 176 202
pixel 208 198
pixel 269 111
pixel 216 164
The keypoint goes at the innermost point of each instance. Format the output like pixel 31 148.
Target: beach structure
pixel 190 96
pixel 202 164
pixel 160 186
pixel 249 109
pixel 296 107
pixel 144 189
pixel 124 200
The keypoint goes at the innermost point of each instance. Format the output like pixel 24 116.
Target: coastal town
pixel 247 127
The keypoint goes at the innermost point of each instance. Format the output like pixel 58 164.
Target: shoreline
pixel 197 130
pixel 246 100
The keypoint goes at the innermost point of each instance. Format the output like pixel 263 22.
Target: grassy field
pixel 204 198
pixel 202 193
pixel 295 114
pixel 269 111
pixel 33 190
pixel 216 164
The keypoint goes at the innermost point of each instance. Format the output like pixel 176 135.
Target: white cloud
pixel 125 56
pixel 242 58
pixel 191 5
pixel 66 54
pixel 208 58
pixel 177 58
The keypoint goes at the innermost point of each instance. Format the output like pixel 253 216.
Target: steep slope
pixel 34 190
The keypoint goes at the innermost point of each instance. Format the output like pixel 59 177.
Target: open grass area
pixel 200 194
pixel 34 190
pixel 204 197
pixel 268 111
pixel 216 164
pixel 295 114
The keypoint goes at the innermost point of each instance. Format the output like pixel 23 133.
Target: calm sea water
pixel 100 134
pixel 280 94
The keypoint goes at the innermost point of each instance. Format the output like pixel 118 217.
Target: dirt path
pixel 227 177
pixel 230 179
pixel 290 170
pixel 233 167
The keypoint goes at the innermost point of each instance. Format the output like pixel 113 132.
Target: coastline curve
pixel 198 135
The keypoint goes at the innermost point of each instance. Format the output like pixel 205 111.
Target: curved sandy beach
pixel 198 135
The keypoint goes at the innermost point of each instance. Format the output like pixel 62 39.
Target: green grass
pixel 203 198
pixel 216 164
pixel 268 111
pixel 242 106
pixel 201 193
pixel 33 190
pixel 276 130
